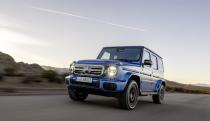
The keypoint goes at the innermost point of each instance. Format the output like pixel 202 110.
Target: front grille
pixel 88 70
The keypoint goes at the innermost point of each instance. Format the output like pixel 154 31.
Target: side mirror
pixel 147 62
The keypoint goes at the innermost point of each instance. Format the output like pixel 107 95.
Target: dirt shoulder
pixel 8 91
pixel 15 86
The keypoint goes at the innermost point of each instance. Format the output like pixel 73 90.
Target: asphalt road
pixel 177 107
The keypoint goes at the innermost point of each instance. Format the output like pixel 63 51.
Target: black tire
pixel 129 99
pixel 158 98
pixel 76 96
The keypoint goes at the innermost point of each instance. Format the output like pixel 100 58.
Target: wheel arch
pixel 134 77
pixel 159 83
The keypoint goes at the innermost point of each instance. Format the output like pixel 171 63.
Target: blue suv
pixel 124 72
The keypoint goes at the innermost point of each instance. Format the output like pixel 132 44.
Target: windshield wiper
pixel 123 60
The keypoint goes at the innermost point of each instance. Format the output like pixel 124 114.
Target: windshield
pixel 123 54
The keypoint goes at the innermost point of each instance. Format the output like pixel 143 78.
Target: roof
pixel 134 47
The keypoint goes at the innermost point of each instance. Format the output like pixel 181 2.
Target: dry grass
pixel 8 89
pixel 31 79
pixel 184 88
pixel 1 77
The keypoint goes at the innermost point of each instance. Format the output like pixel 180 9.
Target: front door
pixel 146 73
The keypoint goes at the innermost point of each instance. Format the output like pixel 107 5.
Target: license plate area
pixel 84 79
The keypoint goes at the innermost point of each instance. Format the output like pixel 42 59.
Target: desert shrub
pixel 54 77
pixel 186 90
pixel 169 89
pixel 9 90
pixel 62 77
pixel 10 71
pixel 51 75
pixel 19 74
pixel 1 77
pixel 30 79
pixel 59 80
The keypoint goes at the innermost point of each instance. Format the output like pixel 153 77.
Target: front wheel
pixel 76 95
pixel 158 98
pixel 129 99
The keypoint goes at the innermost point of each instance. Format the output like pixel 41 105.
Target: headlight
pixel 112 71
pixel 71 68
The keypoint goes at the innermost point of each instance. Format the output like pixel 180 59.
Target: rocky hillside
pixel 173 86
pixel 58 70
pixel 202 85
pixel 7 61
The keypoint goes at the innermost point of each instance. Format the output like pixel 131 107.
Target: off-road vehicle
pixel 124 72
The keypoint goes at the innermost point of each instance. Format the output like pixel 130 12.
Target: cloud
pixel 13 36
pixel 88 18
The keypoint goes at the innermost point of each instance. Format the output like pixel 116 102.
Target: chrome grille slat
pixel 88 70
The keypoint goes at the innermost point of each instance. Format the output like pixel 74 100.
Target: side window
pixel 154 62
pixel 106 56
pixel 160 65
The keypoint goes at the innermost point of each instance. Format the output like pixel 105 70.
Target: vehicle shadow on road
pixel 109 103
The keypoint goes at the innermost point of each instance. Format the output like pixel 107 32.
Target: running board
pixel 148 93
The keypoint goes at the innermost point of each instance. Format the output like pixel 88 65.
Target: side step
pixel 148 93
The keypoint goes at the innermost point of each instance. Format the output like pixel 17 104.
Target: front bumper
pixel 100 85
pixel 95 91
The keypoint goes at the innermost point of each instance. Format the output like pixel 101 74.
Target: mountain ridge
pixel 56 69
pixel 202 85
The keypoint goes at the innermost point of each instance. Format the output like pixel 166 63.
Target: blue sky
pixel 56 32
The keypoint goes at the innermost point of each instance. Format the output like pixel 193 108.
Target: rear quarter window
pixel 160 65
pixel 154 62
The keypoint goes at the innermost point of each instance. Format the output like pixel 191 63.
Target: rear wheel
pixel 76 95
pixel 129 99
pixel 158 98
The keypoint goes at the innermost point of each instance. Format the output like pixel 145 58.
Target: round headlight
pixel 112 71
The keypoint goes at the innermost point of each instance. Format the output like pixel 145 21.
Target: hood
pixel 104 62
pixel 98 62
